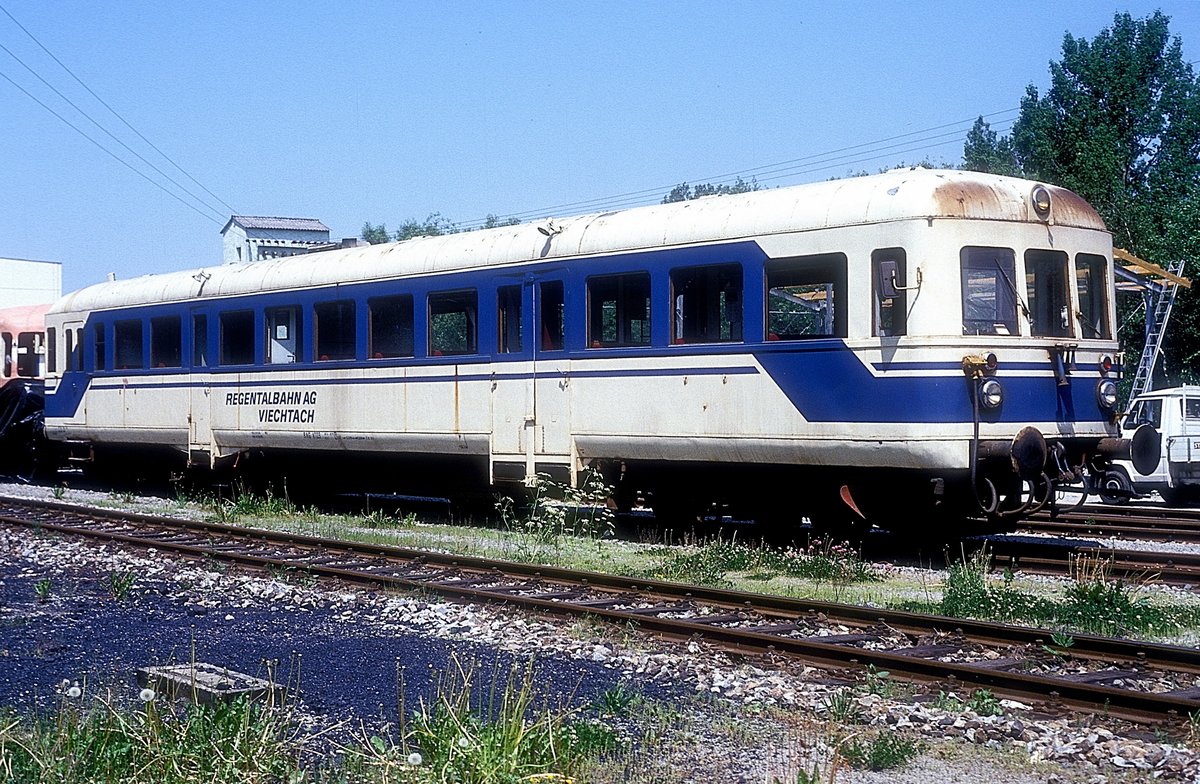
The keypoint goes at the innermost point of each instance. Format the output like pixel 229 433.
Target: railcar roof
pixel 896 195
pixel 24 318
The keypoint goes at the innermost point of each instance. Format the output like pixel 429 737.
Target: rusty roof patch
pixel 1000 200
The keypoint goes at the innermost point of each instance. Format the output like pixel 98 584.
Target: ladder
pixel 1157 317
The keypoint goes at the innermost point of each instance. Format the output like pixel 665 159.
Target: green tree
pixel 684 192
pixel 375 234
pixel 493 222
pixel 433 226
pixel 1120 126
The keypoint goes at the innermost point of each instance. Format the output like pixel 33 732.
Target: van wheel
pixel 1115 487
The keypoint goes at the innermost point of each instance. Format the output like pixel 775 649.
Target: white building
pixel 254 238
pixel 29 282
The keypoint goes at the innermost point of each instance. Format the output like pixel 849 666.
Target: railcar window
pixel 508 312
pixel 100 346
pixel 889 269
pixel 391 327
pixel 1191 408
pixel 1048 292
pixel 283 335
pixel 237 337
pixel 28 353
pixel 989 291
pixel 51 352
pixel 707 304
pixel 552 308
pixel 166 342
pixel 1091 281
pixel 71 363
pixel 453 323
pixel 127 338
pixel 334 330
pixel 199 340
pixel 806 297
pixel 76 358
pixel 619 310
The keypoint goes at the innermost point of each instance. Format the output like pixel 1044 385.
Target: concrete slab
pixel 204 683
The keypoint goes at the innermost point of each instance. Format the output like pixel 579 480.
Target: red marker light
pixel 1106 364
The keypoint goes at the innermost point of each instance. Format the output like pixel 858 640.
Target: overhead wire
pixel 109 152
pixel 109 133
pixel 794 167
pixel 114 112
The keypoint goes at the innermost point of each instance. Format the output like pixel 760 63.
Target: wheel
pixel 1115 487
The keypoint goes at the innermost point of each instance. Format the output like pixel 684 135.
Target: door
pixel 551 429
pixel 199 414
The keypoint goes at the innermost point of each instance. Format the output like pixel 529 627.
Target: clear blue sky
pixel 388 111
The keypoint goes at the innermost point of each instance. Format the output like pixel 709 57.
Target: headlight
pixel 1041 201
pixel 991 394
pixel 1106 394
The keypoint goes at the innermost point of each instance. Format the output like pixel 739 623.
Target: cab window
pixel 1091 281
pixel 1048 293
pixel 890 268
pixel 989 294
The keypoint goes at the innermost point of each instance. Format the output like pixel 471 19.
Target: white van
pixel 1175 414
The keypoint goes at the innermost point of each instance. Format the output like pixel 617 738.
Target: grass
pixel 1092 602
pixel 882 752
pixel 230 742
pixel 465 733
pixel 711 563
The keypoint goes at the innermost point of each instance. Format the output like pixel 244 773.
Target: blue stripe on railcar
pixel 824 380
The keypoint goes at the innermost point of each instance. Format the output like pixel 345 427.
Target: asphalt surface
pixel 345 669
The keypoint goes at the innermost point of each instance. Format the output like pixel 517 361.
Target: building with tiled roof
pixel 257 237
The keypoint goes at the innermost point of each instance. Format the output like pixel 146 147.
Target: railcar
pixel 909 347
pixel 22 367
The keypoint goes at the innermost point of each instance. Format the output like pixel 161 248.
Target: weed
pixel 949 702
pixel 616 701
pixel 811 776
pixel 881 753
pixel 1063 641
pixel 41 589
pixel 118 582
pixel 512 739
pixel 985 703
pixel 879 682
pixel 59 492
pixel 842 706
pixel 104 743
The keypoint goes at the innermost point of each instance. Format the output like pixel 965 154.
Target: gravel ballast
pixel 750 721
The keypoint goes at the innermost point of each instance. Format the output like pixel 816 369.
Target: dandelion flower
pixel 414 759
pixel 146 695
pixel 74 692
pixel 463 742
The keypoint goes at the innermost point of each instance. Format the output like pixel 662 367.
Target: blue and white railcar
pixel 916 340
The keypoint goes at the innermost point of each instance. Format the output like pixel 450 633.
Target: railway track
pixel 1132 680
pixel 1057 557
pixel 1155 524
